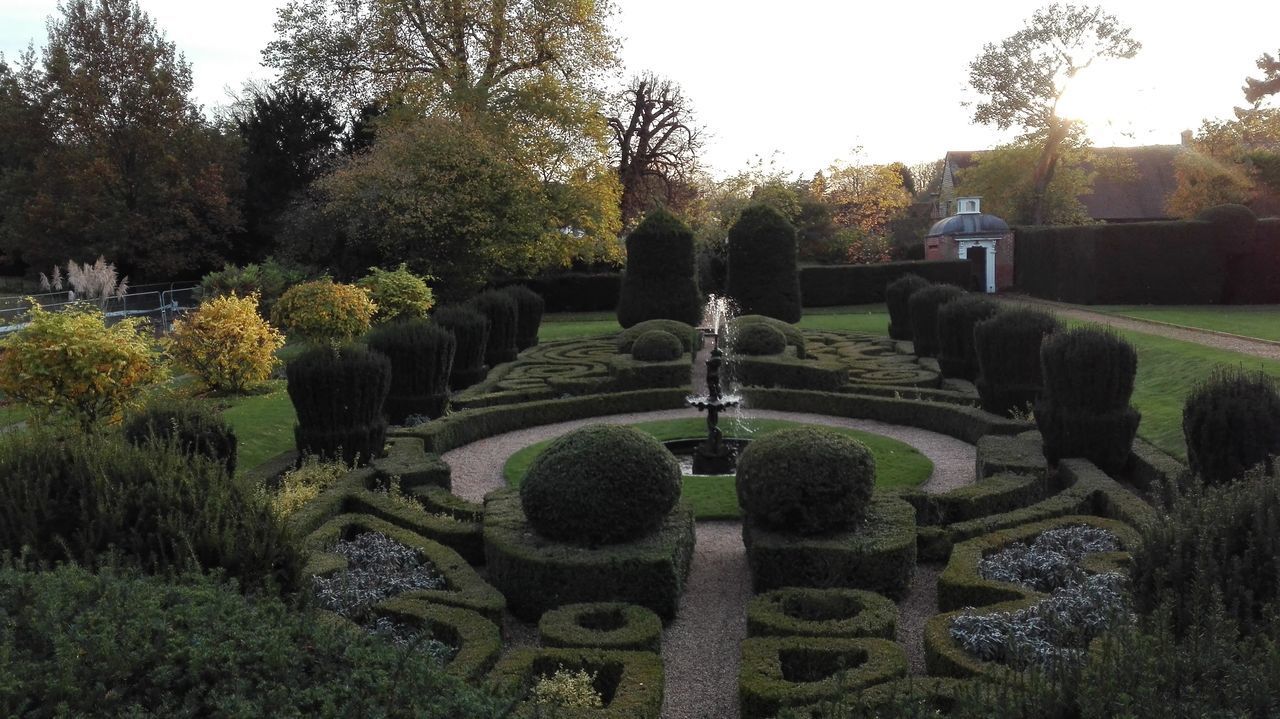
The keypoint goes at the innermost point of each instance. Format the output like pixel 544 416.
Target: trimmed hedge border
pixel 992 495
pixel 943 656
pixel 1009 455
pixel 832 285
pixel 440 501
pixel 537 574
pixel 1088 490
pixel 788 372
pixel 633 681
pixel 464 589
pixel 879 556
pixel 631 374
pixel 846 613
pixel 1150 466
pixel 637 628
pixel 960 584
pixel 968 424
pixel 853 664
pixel 924 394
pixel 407 459
pixel 478 639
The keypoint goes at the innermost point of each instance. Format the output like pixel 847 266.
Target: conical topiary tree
pixel 763 279
pixel 660 282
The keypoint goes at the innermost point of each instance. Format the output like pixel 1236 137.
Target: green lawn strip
pixel 1167 371
pixel 11 414
pixel 898 465
pixel 868 319
pixel 1260 321
pixel 263 423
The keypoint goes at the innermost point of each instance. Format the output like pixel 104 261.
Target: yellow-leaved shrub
pixel 302 484
pixel 567 689
pixel 398 293
pixel 324 312
pixel 226 343
pixel 71 365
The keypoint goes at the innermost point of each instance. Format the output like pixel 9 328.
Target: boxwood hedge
pixel 630 683
pixel 810 612
pixel 602 625
pixel 781 672
pixel 477 639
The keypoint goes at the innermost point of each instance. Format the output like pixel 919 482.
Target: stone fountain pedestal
pixel 713 455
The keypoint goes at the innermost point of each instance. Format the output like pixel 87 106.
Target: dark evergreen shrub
pixel 501 311
pixel 657 346
pixel 196 428
pixel 338 396
pixel 98 500
pixel 690 338
pixel 762 265
pixel 806 480
pixel 896 296
pixel 1084 410
pixel 529 309
pixel 1008 348
pixel 757 338
pixel 794 336
pixel 116 645
pixel 660 280
pixel 1209 545
pixel 421 356
pixel 956 354
pixel 922 307
pixel 601 484
pixel 1232 422
pixel 470 331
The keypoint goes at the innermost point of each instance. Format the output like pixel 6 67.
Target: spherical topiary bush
pixel 956 354
pixel 807 480
pixel 657 346
pixel 1084 410
pixel 763 279
pixel 660 282
pixel 794 336
pixel 1008 348
pixel 923 309
pixel 690 338
pixel 503 314
pixel 1232 422
pixel 896 296
pixel 601 484
pixel 757 339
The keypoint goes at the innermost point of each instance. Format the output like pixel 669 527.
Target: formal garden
pixel 315 498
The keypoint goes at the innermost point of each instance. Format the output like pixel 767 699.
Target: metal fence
pixel 159 305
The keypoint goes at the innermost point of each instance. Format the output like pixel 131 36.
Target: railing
pixel 160 305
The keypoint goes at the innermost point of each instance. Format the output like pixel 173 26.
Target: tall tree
pixel 1003 178
pixel 655 143
pixel 1024 77
pixel 132 172
pixel 291 136
pixel 866 197
pixel 1268 84
pixel 26 137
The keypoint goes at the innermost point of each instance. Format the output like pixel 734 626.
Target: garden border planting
pixel 636 679
pixel 637 628
pixel 478 639
pixel 764 688
pixel 773 613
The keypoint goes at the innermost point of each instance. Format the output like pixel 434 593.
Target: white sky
pixel 812 79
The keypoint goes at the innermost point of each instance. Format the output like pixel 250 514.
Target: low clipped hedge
pixel 785 371
pixel 943 655
pixel 626 374
pixel 600 484
pixel 1009 455
pixel 630 683
pixel 879 556
pixel 782 672
pixel 657 346
pixel 537 574
pixel 690 338
pixel 477 639
pixel 937 694
pixel 406 459
pixel 602 625
pixel 988 496
pixel 832 285
pixel 961 585
pixel 463 586
pixel 115 644
pixel 1087 490
pixel 810 612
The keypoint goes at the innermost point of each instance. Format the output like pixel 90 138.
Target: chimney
pixel 1186 138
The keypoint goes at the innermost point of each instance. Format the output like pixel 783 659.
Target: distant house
pixel 1136 196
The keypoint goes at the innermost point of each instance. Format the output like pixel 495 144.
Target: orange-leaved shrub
pixel 226 343
pixel 324 312
pixel 70 365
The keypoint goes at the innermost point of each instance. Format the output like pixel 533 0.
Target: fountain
pixel 714 455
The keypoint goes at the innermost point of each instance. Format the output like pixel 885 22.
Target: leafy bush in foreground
pixel 226 343
pixel 323 312
pixel 197 429
pixel 114 644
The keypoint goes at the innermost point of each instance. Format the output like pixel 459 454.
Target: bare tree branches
pixel 655 142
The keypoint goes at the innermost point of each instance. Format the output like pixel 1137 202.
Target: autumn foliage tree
pixel 1256 88
pixel 1023 77
pixel 130 169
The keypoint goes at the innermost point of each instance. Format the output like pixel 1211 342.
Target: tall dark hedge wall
pixel 1224 255
pixel 831 285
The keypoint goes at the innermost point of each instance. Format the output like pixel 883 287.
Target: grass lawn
pixel 573 325
pixel 868 319
pixel 1260 321
pixel 263 423
pixel 898 465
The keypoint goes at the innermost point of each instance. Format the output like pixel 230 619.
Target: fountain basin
pixel 686 451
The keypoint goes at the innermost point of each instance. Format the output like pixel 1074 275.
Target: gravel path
pixel 700 648
pixel 1208 338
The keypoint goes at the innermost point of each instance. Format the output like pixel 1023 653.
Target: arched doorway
pixel 982 256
